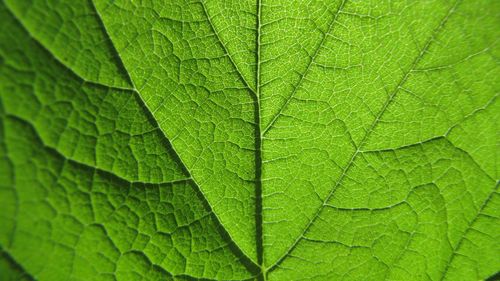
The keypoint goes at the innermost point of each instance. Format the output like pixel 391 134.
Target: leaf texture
pixel 242 140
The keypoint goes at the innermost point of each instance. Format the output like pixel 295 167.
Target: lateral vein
pixel 184 166
pixel 367 134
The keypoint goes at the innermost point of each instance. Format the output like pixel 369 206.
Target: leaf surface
pixel 235 140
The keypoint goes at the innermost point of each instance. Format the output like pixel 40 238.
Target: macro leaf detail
pixel 249 140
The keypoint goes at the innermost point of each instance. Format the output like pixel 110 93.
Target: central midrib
pixel 258 151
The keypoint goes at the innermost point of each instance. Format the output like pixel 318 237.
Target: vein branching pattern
pixel 249 140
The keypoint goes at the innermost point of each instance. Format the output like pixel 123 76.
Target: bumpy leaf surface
pixel 252 139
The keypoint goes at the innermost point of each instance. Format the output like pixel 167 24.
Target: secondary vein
pixel 302 77
pixel 367 134
pixel 457 246
pixel 239 251
pixel 226 51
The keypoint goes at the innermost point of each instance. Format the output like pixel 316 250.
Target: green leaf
pixel 239 140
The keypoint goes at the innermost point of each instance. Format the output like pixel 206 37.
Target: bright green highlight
pixel 254 139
